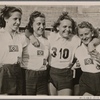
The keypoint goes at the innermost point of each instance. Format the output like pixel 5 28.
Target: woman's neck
pixel 70 37
pixel 10 31
pixel 36 35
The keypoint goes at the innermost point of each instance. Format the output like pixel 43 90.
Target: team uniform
pixel 90 78
pixel 61 55
pixel 10 55
pixel 35 61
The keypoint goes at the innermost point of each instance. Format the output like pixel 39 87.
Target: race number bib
pixel 13 48
pixel 63 53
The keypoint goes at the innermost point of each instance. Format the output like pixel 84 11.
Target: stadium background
pixel 77 12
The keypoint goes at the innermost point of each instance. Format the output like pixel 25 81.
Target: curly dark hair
pixel 34 15
pixel 63 16
pixel 86 24
pixel 2 22
pixel 7 11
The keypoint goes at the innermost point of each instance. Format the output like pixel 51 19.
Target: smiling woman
pixel 63 43
pixel 89 61
pixel 11 46
pixel 86 32
pixel 35 64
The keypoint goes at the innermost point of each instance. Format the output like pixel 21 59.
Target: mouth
pixel 86 40
pixel 16 25
pixel 68 34
pixel 41 30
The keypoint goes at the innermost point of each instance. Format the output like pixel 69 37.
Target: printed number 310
pixel 64 53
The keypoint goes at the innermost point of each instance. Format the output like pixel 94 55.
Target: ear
pixel 32 25
pixel 58 28
pixel 92 33
pixel 6 20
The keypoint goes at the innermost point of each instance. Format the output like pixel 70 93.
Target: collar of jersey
pixel 58 36
pixel 9 33
pixel 39 37
pixel 84 46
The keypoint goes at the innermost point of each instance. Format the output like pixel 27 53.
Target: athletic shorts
pixel 11 79
pixel 36 82
pixel 90 82
pixel 48 71
pixel 61 78
pixel 78 73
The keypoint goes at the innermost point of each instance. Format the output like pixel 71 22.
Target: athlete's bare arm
pixel 93 44
pixel 32 38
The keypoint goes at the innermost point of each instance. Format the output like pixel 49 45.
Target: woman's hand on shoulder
pixel 34 41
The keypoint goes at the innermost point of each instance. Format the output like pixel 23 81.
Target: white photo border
pixel 53 3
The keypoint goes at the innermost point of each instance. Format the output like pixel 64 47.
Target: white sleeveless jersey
pixel 11 49
pixel 35 58
pixel 62 50
pixel 87 64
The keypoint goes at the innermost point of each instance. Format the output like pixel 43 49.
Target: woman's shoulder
pixel 2 31
pixel 75 37
pixel 52 35
pixel 46 41
pixel 20 35
pixel 98 48
pixel 76 40
pixel 22 38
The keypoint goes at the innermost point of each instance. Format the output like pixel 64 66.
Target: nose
pixel 84 37
pixel 42 26
pixel 67 28
pixel 18 21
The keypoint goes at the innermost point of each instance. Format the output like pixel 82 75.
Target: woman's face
pixel 65 28
pixel 38 26
pixel 14 21
pixel 85 35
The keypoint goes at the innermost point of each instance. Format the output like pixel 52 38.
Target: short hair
pixel 7 11
pixel 63 16
pixel 2 22
pixel 34 15
pixel 86 24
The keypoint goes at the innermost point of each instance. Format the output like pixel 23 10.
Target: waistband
pixel 59 68
pixel 3 65
pixel 36 70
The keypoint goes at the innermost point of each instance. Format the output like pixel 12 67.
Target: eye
pixel 80 35
pixel 19 19
pixel 70 27
pixel 15 18
pixel 43 24
pixel 87 33
pixel 64 26
pixel 38 23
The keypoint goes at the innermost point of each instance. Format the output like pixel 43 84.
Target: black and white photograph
pixel 50 49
